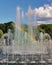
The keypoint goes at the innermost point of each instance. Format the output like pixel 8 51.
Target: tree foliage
pixel 45 28
pixel 1 33
pixel 4 27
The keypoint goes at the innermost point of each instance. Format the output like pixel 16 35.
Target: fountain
pixel 25 48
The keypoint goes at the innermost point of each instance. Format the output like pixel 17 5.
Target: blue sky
pixel 8 8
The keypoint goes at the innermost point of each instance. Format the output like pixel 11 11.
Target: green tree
pixel 12 27
pixel 1 33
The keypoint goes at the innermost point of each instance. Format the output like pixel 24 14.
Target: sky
pixel 8 9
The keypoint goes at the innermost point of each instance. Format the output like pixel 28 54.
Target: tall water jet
pixel 17 32
pixel 48 43
pixel 42 49
pixel 30 30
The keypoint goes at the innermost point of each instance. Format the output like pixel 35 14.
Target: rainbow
pixel 20 28
pixel 29 35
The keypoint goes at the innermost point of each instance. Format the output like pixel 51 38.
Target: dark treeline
pixel 4 27
pixel 45 28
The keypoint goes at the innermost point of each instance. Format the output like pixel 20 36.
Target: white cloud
pixel 41 22
pixel 44 11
